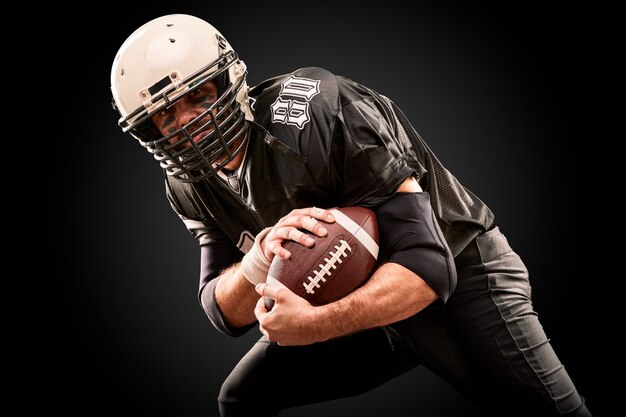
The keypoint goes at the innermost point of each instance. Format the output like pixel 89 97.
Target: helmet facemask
pixel 223 125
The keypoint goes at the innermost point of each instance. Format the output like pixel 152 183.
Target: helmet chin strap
pixel 276 144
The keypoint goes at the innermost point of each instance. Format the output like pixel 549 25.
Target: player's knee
pixel 239 396
pixel 232 390
pixel 583 411
pixel 232 398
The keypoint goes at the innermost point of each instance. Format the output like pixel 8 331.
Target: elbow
pixel 214 258
pixel 429 295
pixel 411 237
pixel 207 298
pixel 435 268
pixel 215 314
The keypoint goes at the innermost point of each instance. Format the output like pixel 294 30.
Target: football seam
pixel 368 241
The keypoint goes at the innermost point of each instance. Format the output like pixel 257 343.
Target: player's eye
pixel 203 98
pixel 163 117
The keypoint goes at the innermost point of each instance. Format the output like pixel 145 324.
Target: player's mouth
pixel 197 138
pixel 186 143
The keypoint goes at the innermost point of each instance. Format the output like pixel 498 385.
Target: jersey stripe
pixel 363 237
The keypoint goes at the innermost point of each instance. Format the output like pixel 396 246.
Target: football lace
pixel 325 269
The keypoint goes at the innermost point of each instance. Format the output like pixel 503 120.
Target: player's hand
pixel 289 228
pixel 291 321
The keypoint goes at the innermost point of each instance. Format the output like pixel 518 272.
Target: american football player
pixel 247 168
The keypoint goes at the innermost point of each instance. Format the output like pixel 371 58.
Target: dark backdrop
pixel 495 91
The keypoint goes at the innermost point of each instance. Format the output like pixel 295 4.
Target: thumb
pixel 270 288
pixel 268 295
pixel 268 292
pixel 260 287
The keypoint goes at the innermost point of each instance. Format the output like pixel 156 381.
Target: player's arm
pixel 229 299
pixel 394 292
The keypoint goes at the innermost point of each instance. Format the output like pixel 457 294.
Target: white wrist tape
pixel 254 265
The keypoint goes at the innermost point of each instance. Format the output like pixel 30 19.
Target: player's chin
pixel 223 159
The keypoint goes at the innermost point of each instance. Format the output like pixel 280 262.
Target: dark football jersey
pixel 347 145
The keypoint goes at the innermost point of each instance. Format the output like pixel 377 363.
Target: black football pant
pixel 487 342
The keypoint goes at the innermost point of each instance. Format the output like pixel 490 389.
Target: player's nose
pixel 185 113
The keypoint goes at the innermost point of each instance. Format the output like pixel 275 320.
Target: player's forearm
pixel 393 293
pixel 235 297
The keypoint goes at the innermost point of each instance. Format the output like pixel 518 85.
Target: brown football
pixel 336 264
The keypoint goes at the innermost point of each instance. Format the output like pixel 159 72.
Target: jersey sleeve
pixel 182 199
pixel 346 133
pixel 217 252
pixel 372 159
pixel 214 258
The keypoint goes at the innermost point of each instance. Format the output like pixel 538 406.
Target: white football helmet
pixel 161 62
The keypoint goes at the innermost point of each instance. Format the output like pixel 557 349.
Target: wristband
pixel 254 265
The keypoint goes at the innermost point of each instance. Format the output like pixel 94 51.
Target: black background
pixel 499 93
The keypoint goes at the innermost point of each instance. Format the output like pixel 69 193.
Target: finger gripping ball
pixel 336 264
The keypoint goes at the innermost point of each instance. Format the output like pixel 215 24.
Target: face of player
pixel 184 111
pixel 187 109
